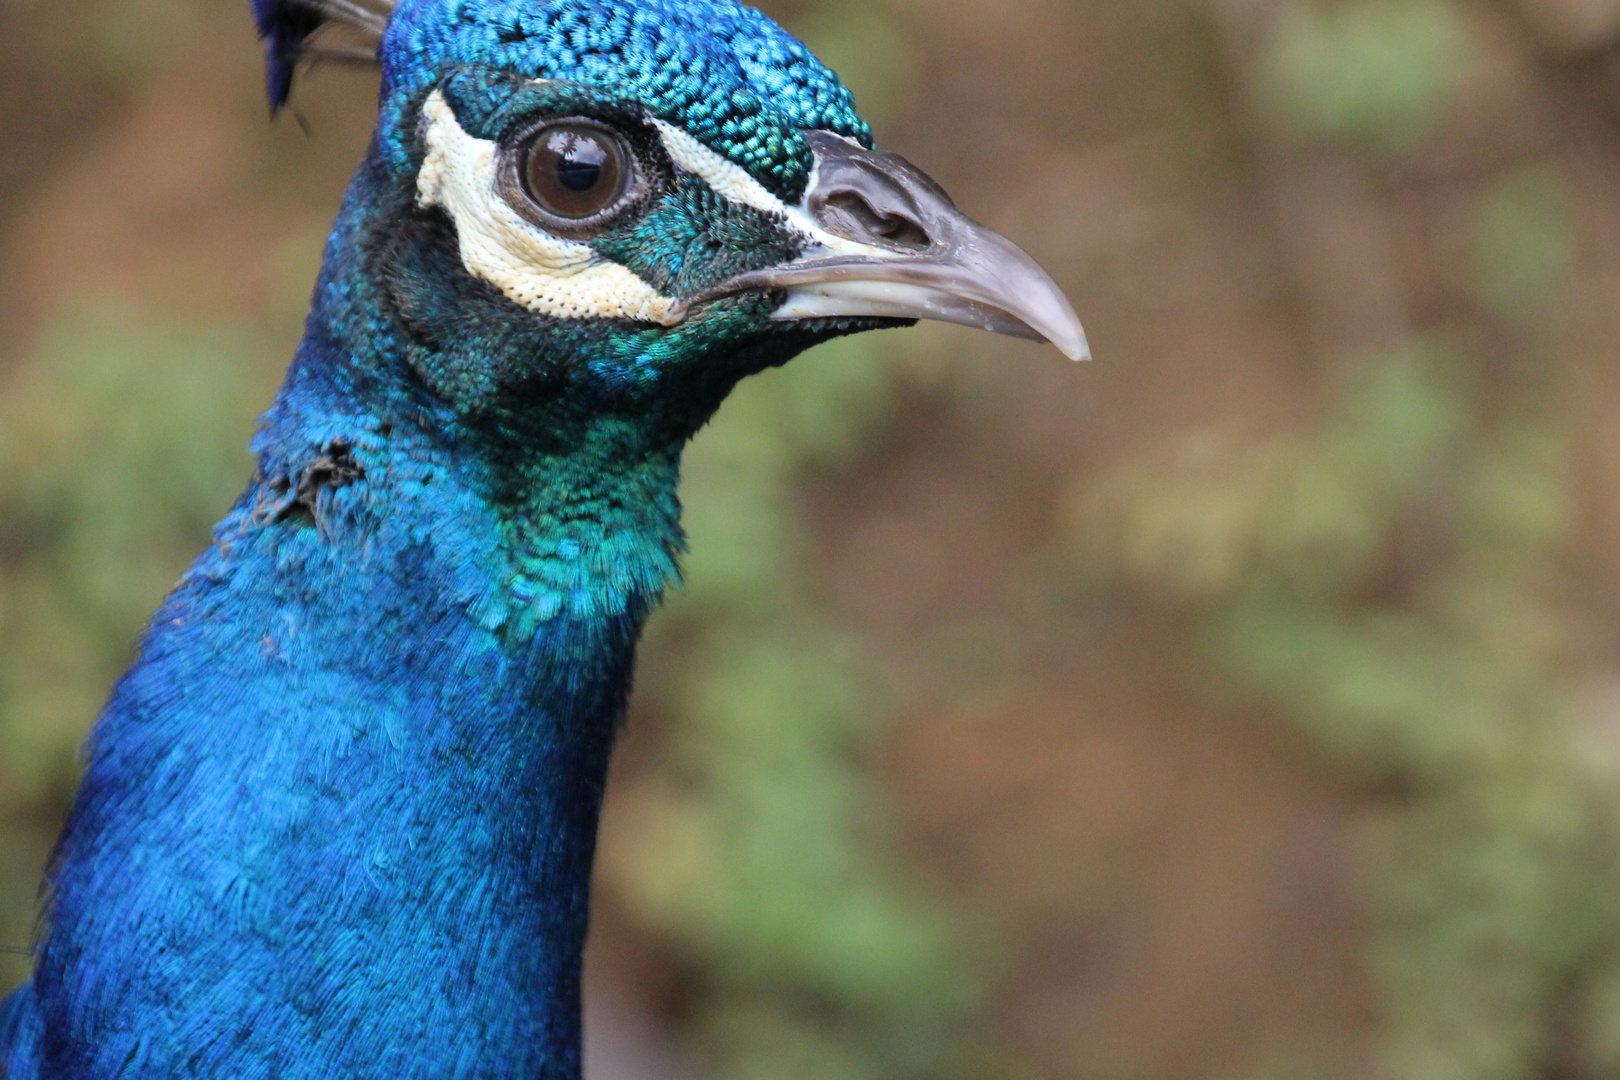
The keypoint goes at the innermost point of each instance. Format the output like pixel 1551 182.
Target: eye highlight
pixel 574 177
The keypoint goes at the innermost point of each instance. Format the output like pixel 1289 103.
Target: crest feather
pixel 293 31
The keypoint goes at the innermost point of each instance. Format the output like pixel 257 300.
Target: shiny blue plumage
pixel 724 72
pixel 338 819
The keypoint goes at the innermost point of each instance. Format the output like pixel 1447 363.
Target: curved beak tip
pixel 1074 346
pixel 1038 303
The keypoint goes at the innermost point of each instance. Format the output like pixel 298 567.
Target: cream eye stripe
pixel 732 182
pixel 560 278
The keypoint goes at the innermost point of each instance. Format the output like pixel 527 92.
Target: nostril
pixel 864 221
pixel 903 231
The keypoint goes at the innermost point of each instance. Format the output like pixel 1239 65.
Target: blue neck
pixel 339 818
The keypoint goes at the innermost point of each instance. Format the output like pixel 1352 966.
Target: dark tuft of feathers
pixel 288 28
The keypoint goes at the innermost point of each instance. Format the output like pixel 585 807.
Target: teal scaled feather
pixel 338 818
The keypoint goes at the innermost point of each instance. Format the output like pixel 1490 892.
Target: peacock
pixel 338 818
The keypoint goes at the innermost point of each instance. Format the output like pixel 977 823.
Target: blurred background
pixel 1243 704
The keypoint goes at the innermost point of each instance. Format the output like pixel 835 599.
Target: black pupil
pixel 579 159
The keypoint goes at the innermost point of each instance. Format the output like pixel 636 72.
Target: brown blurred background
pixel 1245 703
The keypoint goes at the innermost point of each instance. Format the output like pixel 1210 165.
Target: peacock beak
pixel 890 243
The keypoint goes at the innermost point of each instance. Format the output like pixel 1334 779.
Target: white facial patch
pixel 562 278
pixel 543 273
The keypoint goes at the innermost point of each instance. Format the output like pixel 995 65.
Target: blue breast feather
pixel 353 770
pixel 356 770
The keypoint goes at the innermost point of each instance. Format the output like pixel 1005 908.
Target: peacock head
pixel 635 195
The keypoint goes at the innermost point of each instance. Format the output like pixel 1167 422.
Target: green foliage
pixel 736 478
pixel 1493 892
pixel 114 40
pixel 1306 514
pixel 1392 583
pixel 1379 73
pixel 120 445
pixel 872 55
pixel 759 847
pixel 129 36
pixel 1523 241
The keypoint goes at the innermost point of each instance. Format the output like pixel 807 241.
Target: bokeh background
pixel 1243 704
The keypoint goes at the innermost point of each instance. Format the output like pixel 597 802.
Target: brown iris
pixel 574 170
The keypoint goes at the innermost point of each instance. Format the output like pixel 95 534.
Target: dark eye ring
pixel 573 177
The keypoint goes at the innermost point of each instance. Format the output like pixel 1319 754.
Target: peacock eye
pixel 575 171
